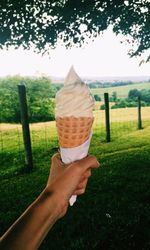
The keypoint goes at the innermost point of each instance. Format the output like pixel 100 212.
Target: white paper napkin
pixel 69 155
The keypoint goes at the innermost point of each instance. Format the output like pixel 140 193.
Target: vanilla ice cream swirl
pixel 74 100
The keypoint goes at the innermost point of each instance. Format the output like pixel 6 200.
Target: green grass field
pixel 113 214
pixel 44 136
pixel 122 91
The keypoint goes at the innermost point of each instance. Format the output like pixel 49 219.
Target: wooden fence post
pixel 25 126
pixel 107 118
pixel 139 113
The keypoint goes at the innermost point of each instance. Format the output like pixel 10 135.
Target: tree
pixel 114 96
pixel 133 94
pixel 145 95
pixel 39 98
pixel 9 103
pixel 43 23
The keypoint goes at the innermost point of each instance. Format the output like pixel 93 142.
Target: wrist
pixel 59 205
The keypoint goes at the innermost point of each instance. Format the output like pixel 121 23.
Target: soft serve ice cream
pixel 74 99
pixel 74 119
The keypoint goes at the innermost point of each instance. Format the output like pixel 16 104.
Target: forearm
pixel 30 229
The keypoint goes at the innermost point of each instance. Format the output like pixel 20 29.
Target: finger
pixel 79 191
pixel 93 162
pixel 82 184
pixel 88 162
pixel 87 173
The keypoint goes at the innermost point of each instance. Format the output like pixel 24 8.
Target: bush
pixel 97 98
pixel 102 107
pixel 121 104
pixel 131 104
pixel 128 103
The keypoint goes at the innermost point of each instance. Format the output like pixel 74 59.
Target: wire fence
pixel 44 139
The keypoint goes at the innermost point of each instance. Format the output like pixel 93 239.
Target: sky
pixel 106 56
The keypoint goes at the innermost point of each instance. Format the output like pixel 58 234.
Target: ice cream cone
pixel 74 119
pixel 73 131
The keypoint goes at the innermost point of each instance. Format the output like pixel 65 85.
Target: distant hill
pixel 89 79
pixel 122 91
pixel 118 79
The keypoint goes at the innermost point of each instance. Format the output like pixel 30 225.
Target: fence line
pixel 44 134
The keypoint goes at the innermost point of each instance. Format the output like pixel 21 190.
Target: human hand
pixel 71 179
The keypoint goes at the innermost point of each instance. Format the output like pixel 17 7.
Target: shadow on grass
pixel 113 214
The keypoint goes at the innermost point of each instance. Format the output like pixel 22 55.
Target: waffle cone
pixel 73 131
